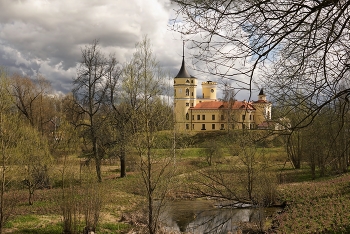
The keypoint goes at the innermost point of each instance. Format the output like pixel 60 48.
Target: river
pixel 202 216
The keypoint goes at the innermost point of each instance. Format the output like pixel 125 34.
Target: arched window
pixel 187 116
pixel 187 81
pixel 187 92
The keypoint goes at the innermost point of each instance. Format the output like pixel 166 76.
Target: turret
pixel 261 95
pixel 263 108
pixel 184 95
pixel 209 90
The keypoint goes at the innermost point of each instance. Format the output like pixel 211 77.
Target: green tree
pixel 10 132
pixel 35 159
pixel 213 152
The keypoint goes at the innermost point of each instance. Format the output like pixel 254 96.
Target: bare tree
pixel 244 180
pixel 33 101
pixel 300 46
pixel 122 109
pixel 148 119
pixel 90 95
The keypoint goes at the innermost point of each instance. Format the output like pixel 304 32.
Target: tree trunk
pixel 122 164
pixel 30 198
pixel 122 156
pixel 98 169
pixel 97 161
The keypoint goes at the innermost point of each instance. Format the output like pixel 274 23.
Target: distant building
pixel 210 114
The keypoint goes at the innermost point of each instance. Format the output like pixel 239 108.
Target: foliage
pixel 213 152
pixel 36 161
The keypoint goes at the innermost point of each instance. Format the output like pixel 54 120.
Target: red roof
pixel 223 105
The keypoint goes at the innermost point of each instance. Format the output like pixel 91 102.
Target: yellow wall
pixel 220 120
pixel 183 100
pixel 184 97
pixel 209 90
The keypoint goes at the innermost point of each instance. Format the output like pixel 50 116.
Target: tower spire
pixel 183 72
pixel 183 50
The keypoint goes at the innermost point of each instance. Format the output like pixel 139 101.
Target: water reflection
pixel 200 216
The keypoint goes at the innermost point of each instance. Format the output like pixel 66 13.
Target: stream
pixel 202 216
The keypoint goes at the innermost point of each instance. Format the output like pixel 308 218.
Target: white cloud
pixel 47 36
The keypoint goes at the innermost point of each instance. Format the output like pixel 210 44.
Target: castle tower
pixel 263 108
pixel 184 96
pixel 209 90
pixel 261 95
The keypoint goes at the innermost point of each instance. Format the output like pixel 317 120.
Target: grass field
pixel 312 206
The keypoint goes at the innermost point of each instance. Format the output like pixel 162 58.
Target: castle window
pixel 192 126
pixel 187 104
pixel 222 117
pixel 222 127
pixel 175 93
pixel 192 117
pixel 250 117
pixel 203 127
pixel 213 117
pixel 187 81
pixel 243 117
pixel 213 126
pixel 203 117
pixel 198 117
pixel 191 81
pixel 192 104
pixel 187 92
pixel 187 116
pixel 192 94
pixel 187 126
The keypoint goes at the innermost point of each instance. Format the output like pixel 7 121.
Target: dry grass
pixel 124 195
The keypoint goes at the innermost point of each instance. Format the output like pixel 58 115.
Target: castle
pixel 210 114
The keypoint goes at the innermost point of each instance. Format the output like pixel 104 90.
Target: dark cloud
pixel 46 37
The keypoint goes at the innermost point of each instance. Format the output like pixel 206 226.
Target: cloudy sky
pixel 46 36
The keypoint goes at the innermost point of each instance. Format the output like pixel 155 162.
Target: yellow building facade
pixel 207 113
